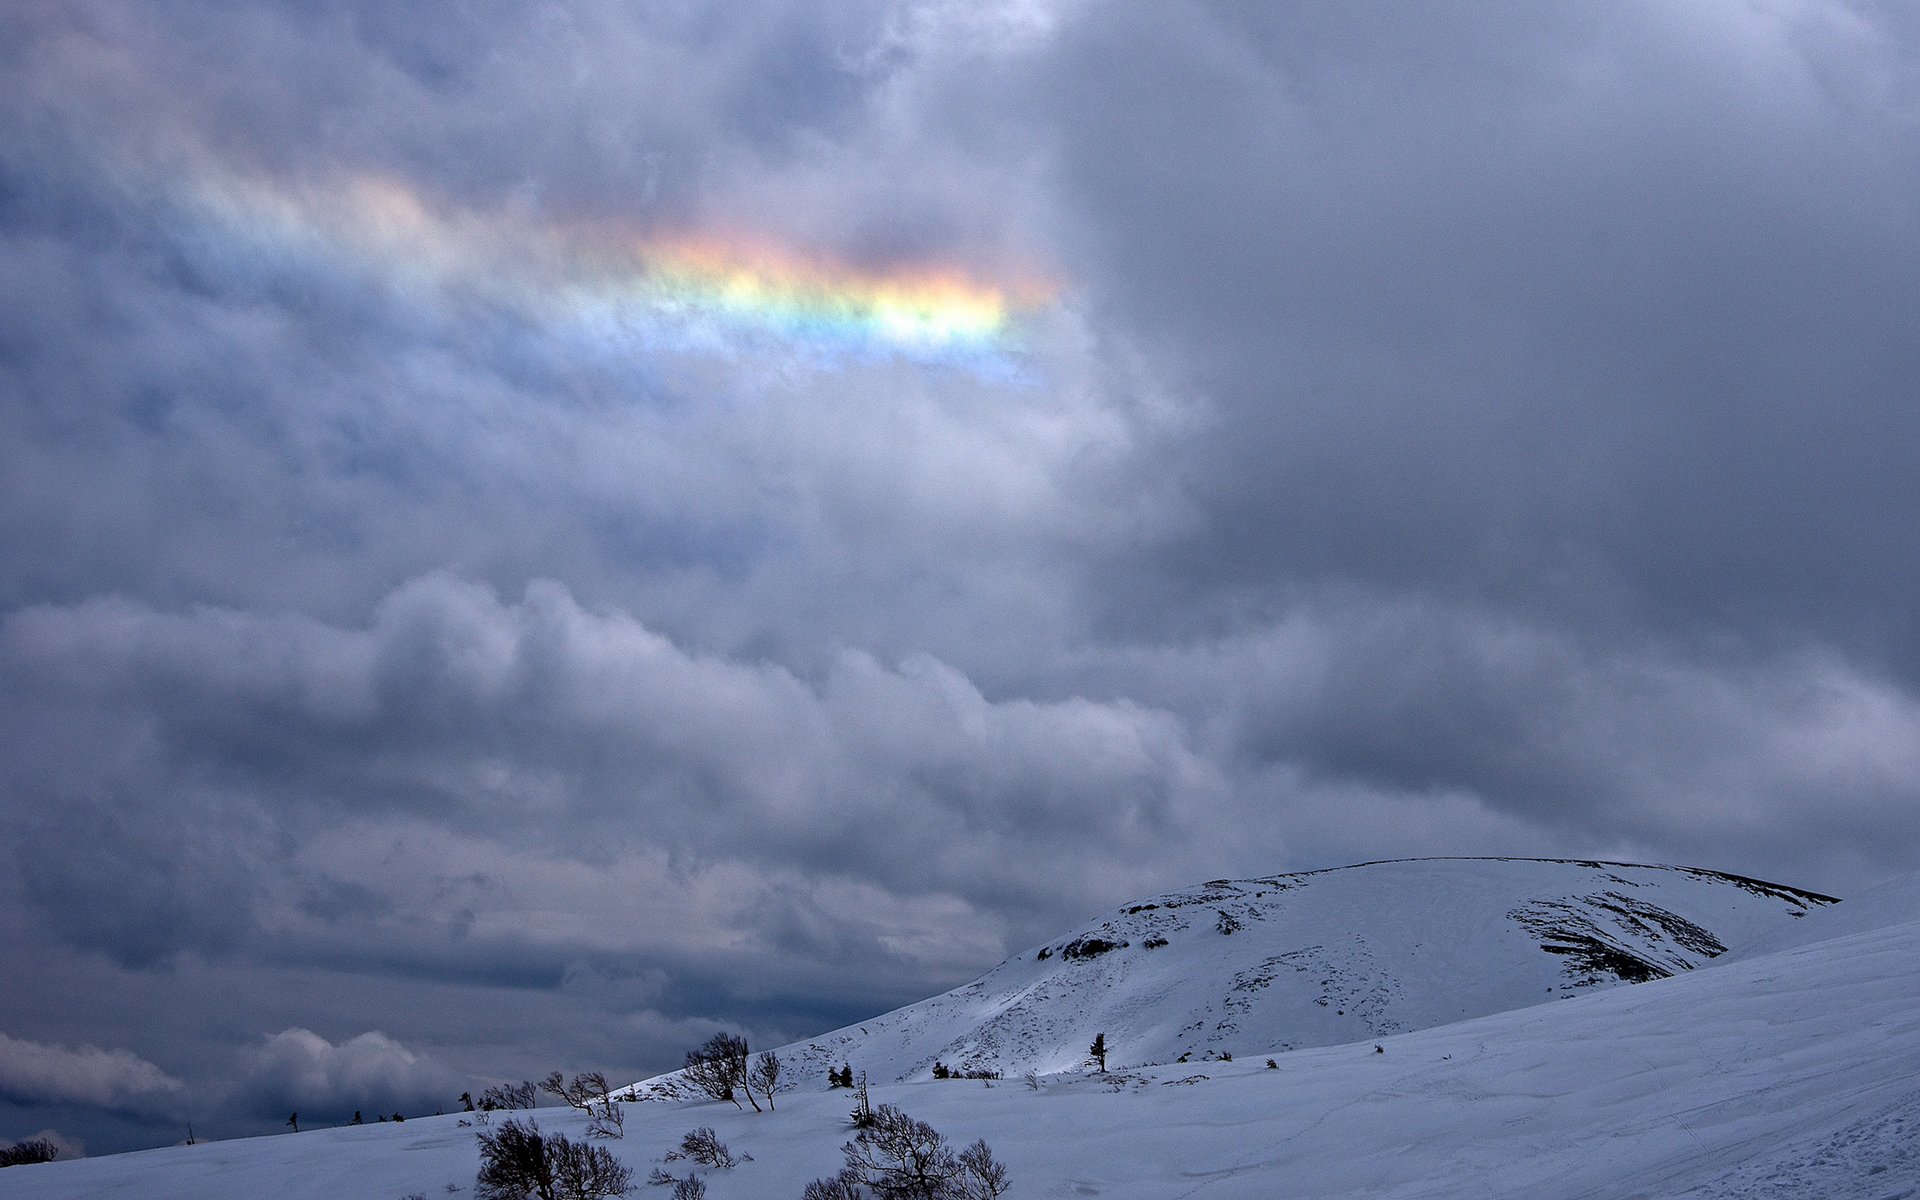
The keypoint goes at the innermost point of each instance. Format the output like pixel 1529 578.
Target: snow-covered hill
pixel 1234 967
pixel 1794 1073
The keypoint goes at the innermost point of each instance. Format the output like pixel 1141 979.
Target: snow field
pixel 1795 1073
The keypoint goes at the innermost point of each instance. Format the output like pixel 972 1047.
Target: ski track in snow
pixel 1874 1158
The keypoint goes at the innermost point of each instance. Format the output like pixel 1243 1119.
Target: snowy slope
pixel 1892 903
pixel 1315 959
pixel 1791 1074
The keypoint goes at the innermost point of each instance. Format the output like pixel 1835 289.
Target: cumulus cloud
pixel 31 1072
pixel 298 1069
pixel 1463 429
pixel 542 719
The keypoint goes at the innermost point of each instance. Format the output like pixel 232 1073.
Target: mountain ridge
pixel 1312 958
pixel 1792 1072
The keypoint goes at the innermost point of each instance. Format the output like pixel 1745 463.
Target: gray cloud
pixel 1537 733
pixel 531 717
pixel 1475 429
pixel 1600 314
pixel 114 1079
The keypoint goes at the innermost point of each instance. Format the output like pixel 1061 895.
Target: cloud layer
pixel 1479 429
pixel 34 1073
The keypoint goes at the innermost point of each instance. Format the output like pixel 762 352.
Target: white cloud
pixel 297 1068
pixel 119 1079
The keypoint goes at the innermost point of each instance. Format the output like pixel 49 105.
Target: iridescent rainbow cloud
pixel 601 274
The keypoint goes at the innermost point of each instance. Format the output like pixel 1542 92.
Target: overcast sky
pixel 1477 428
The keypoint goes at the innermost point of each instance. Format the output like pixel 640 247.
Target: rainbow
pixel 603 276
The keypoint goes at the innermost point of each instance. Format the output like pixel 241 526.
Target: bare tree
pixel 514 1163
pixel 589 1093
pixel 719 1068
pixel 585 1172
pixel 607 1119
pixel 982 1176
pixel 765 1075
pixel 583 1091
pixel 518 1161
pixel 508 1096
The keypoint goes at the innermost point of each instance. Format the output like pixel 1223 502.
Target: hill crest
pixel 1313 958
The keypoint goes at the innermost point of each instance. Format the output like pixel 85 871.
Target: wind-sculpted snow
pixel 1241 966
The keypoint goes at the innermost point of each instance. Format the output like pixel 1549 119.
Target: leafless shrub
pixel 899 1158
pixel 518 1161
pixel 691 1188
pixel 508 1096
pixel 704 1146
pixel 33 1150
pixel 840 1187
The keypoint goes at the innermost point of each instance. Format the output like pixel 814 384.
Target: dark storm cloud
pixel 1557 370
pixel 1602 310
pixel 1507 725
pixel 1465 429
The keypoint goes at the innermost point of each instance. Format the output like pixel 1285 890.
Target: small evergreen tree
pixel 1098 1051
